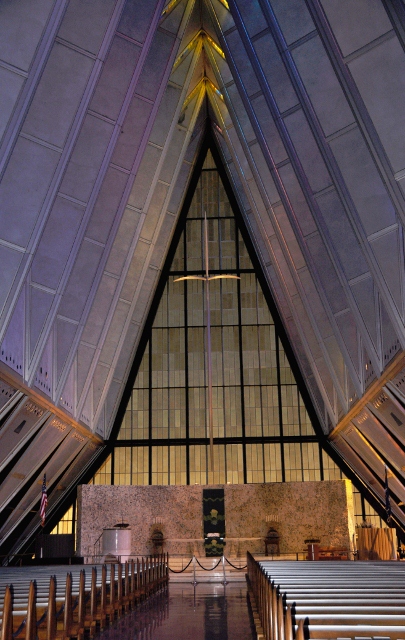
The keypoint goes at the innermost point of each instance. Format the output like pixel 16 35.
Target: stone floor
pixel 185 612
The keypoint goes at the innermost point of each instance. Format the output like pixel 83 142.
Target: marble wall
pixel 303 510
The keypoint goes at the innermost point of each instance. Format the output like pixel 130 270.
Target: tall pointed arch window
pixel 262 431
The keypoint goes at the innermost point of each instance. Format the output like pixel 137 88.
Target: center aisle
pixel 184 612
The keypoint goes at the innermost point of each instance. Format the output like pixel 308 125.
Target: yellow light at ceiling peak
pixel 204 84
pixel 171 5
pixel 201 37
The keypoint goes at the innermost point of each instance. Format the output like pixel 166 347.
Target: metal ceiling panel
pixel 374 431
pixel 23 423
pixel 363 472
pixel 9 396
pixel 44 377
pixel 391 413
pixel 370 456
pixel 377 67
pixel 293 19
pixel 41 447
pixel 356 24
pixel 322 85
pixel 397 386
pixel 65 78
pixel 373 204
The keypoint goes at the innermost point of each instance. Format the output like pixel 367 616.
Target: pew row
pixel 303 600
pixel 60 606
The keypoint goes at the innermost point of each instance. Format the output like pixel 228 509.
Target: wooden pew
pixel 43 609
pixel 338 602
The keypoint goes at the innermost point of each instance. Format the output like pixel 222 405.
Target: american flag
pixel 44 502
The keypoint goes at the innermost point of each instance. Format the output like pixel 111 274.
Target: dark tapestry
pixel 214 521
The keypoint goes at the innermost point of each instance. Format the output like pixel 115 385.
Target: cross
pixel 207 279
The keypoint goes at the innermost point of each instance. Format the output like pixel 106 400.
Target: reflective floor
pixel 183 612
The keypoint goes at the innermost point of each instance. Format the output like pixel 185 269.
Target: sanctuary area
pixel 273 518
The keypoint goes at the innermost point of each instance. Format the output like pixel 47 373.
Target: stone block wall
pixel 303 510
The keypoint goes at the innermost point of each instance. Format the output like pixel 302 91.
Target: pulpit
pixel 272 542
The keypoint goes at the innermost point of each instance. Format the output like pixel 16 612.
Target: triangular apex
pixel 261 428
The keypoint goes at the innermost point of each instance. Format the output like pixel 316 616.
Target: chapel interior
pixel 169 165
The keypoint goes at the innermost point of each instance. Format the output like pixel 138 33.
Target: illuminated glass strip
pixel 214 89
pixel 199 37
pixel 170 7
pixel 197 89
pixel 193 43
pixel 214 45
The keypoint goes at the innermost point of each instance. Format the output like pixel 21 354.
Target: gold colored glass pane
pixel 140 414
pixel 272 462
pixel 65 524
pixel 218 474
pixel 293 462
pixel 160 413
pixel 254 462
pixel 194 247
pixel 213 243
pixel 228 258
pixel 196 356
pixel 197 413
pixel 160 465
pixel 248 298
pixel 231 357
pixel 271 416
pixel 195 303
pixel 140 466
pixel 229 301
pixel 234 464
pixel 178 466
pixel 267 354
pixel 250 350
pixel 290 410
pixel 233 412
pixel 330 470
pixel 177 413
pixel 310 461
pixel 122 465
pixel 103 475
pixel 253 412
pixel 198 464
